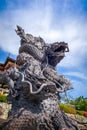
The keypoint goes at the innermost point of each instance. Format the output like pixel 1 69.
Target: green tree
pixel 81 103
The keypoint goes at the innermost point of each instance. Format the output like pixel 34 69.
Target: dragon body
pixel 36 86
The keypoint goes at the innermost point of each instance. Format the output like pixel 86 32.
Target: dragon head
pixel 36 47
pixel 56 52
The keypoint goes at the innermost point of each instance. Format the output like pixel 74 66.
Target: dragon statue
pixel 35 86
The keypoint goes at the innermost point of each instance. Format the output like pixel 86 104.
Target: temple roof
pixel 8 63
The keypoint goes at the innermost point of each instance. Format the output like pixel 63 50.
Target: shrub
pixel 3 98
pixel 81 103
pixel 72 111
pixel 67 109
pixel 85 114
pixel 80 112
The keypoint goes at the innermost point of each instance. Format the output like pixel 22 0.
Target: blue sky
pixel 54 20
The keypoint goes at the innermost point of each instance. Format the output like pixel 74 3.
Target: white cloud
pixel 34 20
pixel 77 74
pixel 38 19
pixel 79 89
pixel 75 35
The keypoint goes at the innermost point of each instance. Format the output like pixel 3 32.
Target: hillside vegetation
pixel 77 106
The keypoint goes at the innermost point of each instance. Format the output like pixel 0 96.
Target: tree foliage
pixel 81 103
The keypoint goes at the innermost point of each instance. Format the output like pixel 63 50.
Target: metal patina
pixel 34 86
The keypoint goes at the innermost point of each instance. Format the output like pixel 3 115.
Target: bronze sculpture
pixel 34 87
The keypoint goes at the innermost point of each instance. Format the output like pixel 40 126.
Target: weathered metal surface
pixel 34 86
